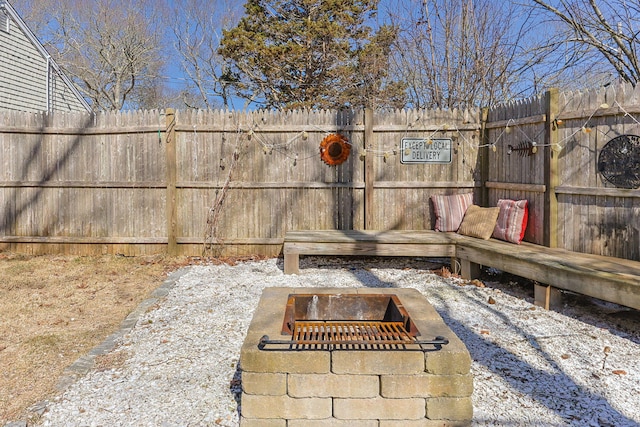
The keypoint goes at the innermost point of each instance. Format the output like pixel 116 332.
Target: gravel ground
pixel 179 365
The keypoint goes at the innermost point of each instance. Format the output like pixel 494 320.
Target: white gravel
pixel 578 366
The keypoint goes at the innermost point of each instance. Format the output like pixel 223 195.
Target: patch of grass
pixel 56 309
pixel 18 268
pixel 43 342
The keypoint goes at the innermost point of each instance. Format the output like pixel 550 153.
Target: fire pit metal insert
pixel 348 322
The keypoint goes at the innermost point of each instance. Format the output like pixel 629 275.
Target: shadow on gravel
pixel 621 321
pixel 552 387
pixel 366 262
pixel 235 387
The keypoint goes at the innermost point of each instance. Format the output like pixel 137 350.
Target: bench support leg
pixel 469 270
pixel 455 265
pixel 547 296
pixel 291 264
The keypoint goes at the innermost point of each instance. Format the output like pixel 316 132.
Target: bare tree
pixel 595 30
pixel 110 48
pixel 462 53
pixel 37 15
pixel 197 37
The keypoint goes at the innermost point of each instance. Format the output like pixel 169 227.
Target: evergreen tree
pixel 311 54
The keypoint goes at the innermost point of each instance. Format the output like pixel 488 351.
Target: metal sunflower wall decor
pixel 619 161
pixel 334 149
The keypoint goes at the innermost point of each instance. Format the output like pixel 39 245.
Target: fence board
pixel 82 183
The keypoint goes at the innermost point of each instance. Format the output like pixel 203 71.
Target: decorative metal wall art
pixel 619 161
pixel 524 149
pixel 334 149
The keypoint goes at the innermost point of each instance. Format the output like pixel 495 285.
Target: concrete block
pixel 405 386
pixel 379 408
pixel 264 383
pixel 332 385
pixel 424 423
pixel 285 407
pixel 332 422
pixel 450 408
pixel 377 362
pixel 256 360
pixel 450 362
pixel 246 422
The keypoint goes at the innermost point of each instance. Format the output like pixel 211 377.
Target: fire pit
pixel 348 322
pixel 352 357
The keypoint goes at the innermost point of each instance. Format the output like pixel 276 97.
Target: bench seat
pixel 607 278
pixel 419 243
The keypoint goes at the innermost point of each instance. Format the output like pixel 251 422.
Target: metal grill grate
pixel 350 335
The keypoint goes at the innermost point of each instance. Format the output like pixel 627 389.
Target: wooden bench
pixel 425 243
pixel 610 279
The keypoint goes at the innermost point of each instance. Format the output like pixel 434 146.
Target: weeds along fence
pixel 232 183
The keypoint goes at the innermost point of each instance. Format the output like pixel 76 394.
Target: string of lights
pixel 286 148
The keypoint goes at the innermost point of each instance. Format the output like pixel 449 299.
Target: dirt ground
pixel 54 309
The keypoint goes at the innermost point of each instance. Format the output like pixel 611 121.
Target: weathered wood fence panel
pixel 514 172
pixel 151 181
pixel 591 214
pixel 267 166
pixel 597 217
pixel 401 192
pixel 78 180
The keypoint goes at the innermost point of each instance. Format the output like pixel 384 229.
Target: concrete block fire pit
pixel 318 357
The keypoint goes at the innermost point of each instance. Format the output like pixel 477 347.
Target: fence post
pixel 551 176
pixel 368 169
pixel 484 157
pixel 172 206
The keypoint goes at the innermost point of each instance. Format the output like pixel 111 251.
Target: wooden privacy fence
pixel 233 183
pixel 573 205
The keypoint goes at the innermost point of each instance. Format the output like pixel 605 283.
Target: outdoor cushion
pixel 479 222
pixel 512 220
pixel 450 209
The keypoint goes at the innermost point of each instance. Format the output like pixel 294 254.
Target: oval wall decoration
pixel 619 161
pixel 334 149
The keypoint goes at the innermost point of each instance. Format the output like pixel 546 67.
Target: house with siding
pixel 30 80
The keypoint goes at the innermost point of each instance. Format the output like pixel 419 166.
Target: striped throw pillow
pixel 512 220
pixel 449 210
pixel 479 222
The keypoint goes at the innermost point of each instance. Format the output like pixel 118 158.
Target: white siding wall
pixel 62 98
pixel 23 77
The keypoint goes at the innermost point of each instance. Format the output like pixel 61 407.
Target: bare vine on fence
pixel 212 242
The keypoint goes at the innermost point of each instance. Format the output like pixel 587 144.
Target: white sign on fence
pixel 422 150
